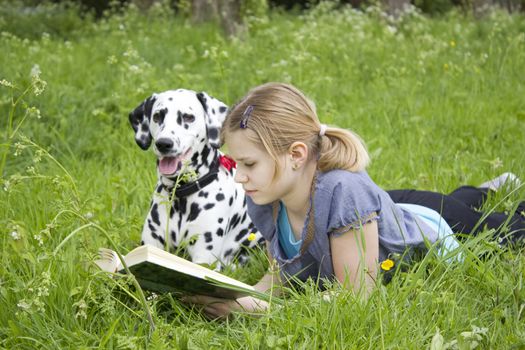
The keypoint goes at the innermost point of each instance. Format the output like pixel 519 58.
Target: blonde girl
pixel 309 195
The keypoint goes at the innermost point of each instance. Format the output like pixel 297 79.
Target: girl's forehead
pixel 240 145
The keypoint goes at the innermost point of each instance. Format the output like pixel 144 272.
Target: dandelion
pixel 452 43
pixel 387 265
pixel 446 66
pixel 252 236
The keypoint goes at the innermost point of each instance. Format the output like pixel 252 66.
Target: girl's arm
pixel 355 257
pixel 220 308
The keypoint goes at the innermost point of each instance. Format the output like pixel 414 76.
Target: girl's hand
pixel 222 308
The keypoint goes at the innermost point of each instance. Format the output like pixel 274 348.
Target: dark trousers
pixel 459 209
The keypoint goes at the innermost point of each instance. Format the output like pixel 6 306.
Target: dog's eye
pixel 156 117
pixel 188 118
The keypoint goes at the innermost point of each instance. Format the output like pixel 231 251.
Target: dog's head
pixel 179 123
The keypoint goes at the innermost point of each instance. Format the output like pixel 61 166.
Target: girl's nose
pixel 240 177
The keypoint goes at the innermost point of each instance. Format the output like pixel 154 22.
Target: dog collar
pixel 190 188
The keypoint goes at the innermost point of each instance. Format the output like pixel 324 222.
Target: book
pixel 162 272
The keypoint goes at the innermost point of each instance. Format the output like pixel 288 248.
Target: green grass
pixel 439 102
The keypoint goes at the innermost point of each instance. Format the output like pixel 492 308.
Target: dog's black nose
pixel 164 145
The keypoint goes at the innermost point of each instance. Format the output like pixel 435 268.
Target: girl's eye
pixel 249 165
pixel 188 118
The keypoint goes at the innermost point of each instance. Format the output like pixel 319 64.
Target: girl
pixel 310 197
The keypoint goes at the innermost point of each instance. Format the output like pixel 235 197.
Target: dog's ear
pixel 215 115
pixel 139 119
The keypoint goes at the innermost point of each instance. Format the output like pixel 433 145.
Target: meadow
pixel 439 102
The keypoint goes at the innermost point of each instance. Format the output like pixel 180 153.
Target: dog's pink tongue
pixel 168 165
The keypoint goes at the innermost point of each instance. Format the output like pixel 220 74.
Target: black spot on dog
pixel 157 237
pixel 195 158
pixel 222 109
pixel 207 237
pixel 244 202
pixel 219 197
pixel 220 232
pixel 194 212
pixel 203 194
pixel 209 206
pixel 234 222
pixel 186 126
pixel 243 218
pixel 160 188
pixel 144 127
pixel 241 235
pixel 202 100
pixel 220 220
pixel 210 247
pixel 173 236
pixel 204 155
pixel 179 117
pixel 170 98
pixel 151 227
pixel 228 253
pixel 230 202
pixel 155 214
pixel 213 111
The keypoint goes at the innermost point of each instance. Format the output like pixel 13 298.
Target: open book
pixel 159 271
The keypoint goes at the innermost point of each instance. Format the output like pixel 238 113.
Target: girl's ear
pixel 298 152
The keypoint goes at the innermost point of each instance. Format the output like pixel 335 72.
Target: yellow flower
pixel 445 66
pixel 452 43
pixel 387 265
pixel 252 236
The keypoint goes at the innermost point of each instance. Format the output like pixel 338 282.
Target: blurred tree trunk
pixel 144 5
pixel 395 7
pixel 227 11
pixel 204 10
pixel 231 18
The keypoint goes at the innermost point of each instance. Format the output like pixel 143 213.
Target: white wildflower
pixel 15 235
pixel 6 83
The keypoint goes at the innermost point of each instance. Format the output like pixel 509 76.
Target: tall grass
pixel 439 102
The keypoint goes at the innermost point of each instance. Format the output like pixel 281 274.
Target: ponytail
pixel 342 149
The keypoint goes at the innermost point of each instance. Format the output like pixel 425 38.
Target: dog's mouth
pixel 171 165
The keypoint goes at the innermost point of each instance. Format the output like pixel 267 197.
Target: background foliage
pixel 439 102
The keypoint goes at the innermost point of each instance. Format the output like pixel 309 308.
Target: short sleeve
pixel 354 202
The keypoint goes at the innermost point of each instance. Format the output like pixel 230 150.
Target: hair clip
pixel 246 116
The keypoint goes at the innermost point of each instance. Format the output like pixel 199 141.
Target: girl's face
pixel 256 169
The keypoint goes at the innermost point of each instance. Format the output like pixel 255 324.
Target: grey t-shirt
pixel 343 200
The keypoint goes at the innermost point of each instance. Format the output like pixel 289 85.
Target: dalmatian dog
pixel 196 207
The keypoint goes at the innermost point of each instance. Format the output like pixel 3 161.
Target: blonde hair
pixel 280 115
